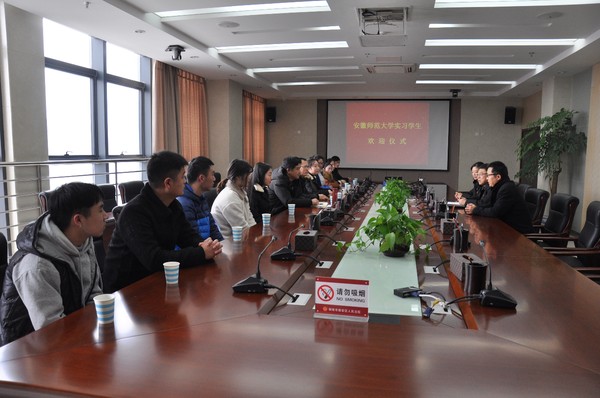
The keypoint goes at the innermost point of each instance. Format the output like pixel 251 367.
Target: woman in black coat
pixel 258 190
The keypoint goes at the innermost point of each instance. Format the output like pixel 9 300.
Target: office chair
pixel 44 198
pixel 3 258
pixel 559 221
pixel 585 256
pixel 100 252
pixel 536 200
pixel 116 212
pixel 210 196
pixel 129 190
pixel 109 193
pixel 522 189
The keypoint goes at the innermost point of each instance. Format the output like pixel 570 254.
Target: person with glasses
pixel 505 201
pixel 152 228
pixel 483 195
pixel 475 191
pixel 304 187
pixel 284 189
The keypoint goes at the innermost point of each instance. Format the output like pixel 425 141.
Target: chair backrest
pixel 110 196
pixel 129 190
pixel 116 212
pixel 44 198
pixel 3 258
pixel 536 200
pixel 589 237
pixel 522 189
pixel 210 196
pixel 562 212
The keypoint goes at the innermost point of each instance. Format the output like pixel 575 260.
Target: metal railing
pixel 23 181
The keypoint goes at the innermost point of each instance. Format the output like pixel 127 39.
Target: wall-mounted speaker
pixel 271 114
pixel 510 115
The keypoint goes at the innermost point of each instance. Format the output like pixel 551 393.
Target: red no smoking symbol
pixel 325 292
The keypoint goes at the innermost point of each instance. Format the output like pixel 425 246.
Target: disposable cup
pixel 105 308
pixel 291 208
pixel 266 218
pixel 237 233
pixel 171 272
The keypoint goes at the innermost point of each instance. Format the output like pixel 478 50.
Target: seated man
pixel 55 271
pixel 482 197
pixel 505 201
pixel 312 181
pixel 282 186
pixel 152 228
pixel 200 177
pixel 336 172
pixel 475 191
pixel 306 186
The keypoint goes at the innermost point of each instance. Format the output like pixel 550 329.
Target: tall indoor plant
pixel 557 137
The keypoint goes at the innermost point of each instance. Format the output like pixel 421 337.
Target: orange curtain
pixel 180 116
pixel 254 128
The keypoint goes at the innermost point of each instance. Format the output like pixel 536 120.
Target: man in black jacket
pixel 284 187
pixel 506 203
pixel 152 228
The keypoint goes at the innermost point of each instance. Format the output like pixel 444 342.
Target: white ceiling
pixel 116 21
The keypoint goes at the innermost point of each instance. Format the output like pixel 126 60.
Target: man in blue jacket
pixel 200 179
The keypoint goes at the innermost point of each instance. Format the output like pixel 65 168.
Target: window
pixel 97 98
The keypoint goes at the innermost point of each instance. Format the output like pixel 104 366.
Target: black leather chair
pixel 3 258
pixel 536 200
pixel 585 256
pixel 100 252
pixel 559 221
pixel 44 198
pixel 116 212
pixel 110 196
pixel 210 196
pixel 129 190
pixel 522 189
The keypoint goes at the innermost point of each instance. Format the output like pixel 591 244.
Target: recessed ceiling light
pixel 485 25
pixel 477 66
pixel 247 10
pixel 317 83
pixel 300 68
pixel 229 24
pixel 307 29
pixel 282 46
pixel 464 82
pixel 508 3
pixel 501 42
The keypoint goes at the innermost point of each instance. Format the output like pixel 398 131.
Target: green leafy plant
pixel 557 137
pixel 395 193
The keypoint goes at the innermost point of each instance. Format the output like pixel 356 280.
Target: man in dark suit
pixel 506 203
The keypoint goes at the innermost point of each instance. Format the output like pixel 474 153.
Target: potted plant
pixel 557 137
pixel 395 193
pixel 394 230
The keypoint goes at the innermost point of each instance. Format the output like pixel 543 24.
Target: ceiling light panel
pixel 500 42
pixel 282 47
pixel 478 66
pixel 500 82
pixel 246 10
pixel 300 69
pixel 509 3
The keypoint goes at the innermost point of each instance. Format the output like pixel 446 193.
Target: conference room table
pixel 199 338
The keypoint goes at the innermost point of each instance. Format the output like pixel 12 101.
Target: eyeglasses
pixel 482 175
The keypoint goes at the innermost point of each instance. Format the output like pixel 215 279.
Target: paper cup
pixel 237 233
pixel 171 272
pixel 291 208
pixel 266 218
pixel 105 308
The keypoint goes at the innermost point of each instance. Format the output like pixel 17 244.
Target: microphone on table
pixel 491 297
pixel 286 253
pixel 254 283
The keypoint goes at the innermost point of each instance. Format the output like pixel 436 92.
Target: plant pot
pixel 397 251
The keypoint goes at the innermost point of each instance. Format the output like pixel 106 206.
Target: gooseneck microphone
pixel 491 297
pixel 286 253
pixel 254 283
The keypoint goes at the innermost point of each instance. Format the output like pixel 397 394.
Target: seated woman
pixel 231 208
pixel 258 190
pixel 328 174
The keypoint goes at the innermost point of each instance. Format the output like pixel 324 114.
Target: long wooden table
pixel 201 339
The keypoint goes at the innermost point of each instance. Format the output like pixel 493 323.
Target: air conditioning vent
pixel 388 68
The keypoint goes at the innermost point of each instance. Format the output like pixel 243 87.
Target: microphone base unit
pixel 497 298
pixel 283 254
pixel 252 284
pixel 458 261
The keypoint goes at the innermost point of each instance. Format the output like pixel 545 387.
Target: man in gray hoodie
pixel 55 271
